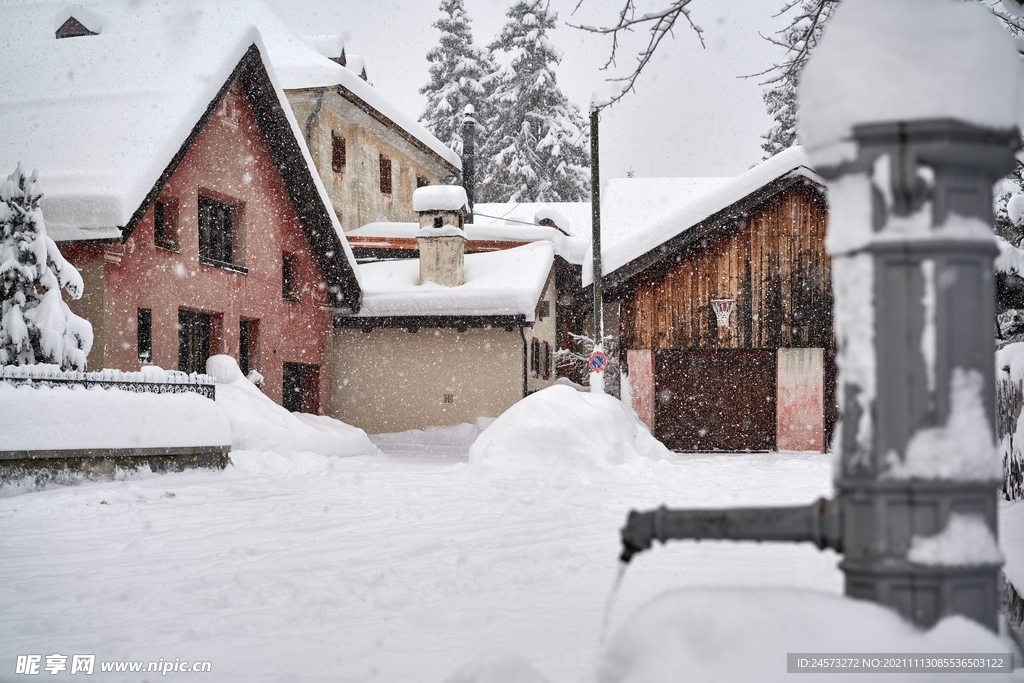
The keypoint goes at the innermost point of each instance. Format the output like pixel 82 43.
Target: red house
pixel 178 184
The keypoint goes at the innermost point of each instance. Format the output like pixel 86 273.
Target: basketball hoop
pixel 722 309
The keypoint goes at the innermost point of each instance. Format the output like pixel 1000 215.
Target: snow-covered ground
pixel 396 567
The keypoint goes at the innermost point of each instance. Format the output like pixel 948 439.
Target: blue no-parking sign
pixel 598 361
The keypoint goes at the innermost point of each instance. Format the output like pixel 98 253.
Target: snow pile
pixel 1011 540
pixel 900 60
pixel 60 418
pixel 549 214
pixel 498 667
pixel 966 540
pixel 961 449
pixel 732 634
pixel 259 424
pixel 560 428
pixel 439 198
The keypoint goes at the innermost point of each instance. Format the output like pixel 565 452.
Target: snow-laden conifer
pixel 537 145
pixel 36 326
pixel 459 73
pixel 799 38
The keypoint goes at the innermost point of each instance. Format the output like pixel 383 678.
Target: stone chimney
pixel 469 159
pixel 442 238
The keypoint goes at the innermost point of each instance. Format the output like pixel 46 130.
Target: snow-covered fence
pixel 149 380
pixel 1009 401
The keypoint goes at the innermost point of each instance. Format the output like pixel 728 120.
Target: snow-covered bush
pixel 36 326
pixel 1009 426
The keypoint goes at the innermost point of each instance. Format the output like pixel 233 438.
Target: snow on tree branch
pixel 36 326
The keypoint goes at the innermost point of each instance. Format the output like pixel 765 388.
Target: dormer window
pixel 73 28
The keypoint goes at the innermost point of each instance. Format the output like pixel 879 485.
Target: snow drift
pixel 61 418
pixel 733 634
pixel 561 428
pixel 259 424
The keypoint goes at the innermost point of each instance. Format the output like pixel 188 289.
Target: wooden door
pixel 722 400
pixel 193 341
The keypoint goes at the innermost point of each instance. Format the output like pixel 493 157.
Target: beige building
pixel 369 163
pixel 420 353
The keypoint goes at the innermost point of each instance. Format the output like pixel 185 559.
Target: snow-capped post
pixel 911 133
pixel 596 376
pixel 469 158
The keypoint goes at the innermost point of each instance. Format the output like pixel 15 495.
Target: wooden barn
pixel 759 375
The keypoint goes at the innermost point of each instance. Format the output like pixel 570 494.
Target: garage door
pixel 715 400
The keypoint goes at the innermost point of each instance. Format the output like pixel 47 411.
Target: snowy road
pixel 394 568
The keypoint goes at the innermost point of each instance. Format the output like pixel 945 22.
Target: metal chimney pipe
pixel 469 158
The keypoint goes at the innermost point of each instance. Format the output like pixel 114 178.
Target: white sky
pixel 691 114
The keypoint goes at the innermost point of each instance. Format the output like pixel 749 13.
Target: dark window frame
pixel 221 236
pixel 291 284
pixel 339 153
pixel 165 223
pixel 385 175
pixel 144 335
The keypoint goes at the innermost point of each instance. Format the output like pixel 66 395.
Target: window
pixel 193 340
pixel 215 230
pixel 144 335
pixel 165 223
pixel 421 181
pixel 290 286
pixel 543 310
pixel 449 398
pixel 385 175
pixel 540 359
pixel 73 28
pixel 248 344
pixel 338 156
pixel 301 387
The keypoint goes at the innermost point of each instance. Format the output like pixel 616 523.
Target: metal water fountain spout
pixel 819 523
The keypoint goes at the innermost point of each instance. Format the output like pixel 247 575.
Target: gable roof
pixel 650 245
pixel 107 118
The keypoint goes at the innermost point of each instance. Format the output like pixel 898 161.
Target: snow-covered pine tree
pixel 459 73
pixel 36 326
pixel 537 144
pixel 799 38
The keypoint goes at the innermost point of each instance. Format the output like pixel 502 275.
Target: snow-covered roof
pixel 519 220
pixel 628 205
pixel 439 198
pixel 569 247
pixel 508 282
pixel 615 255
pixel 101 116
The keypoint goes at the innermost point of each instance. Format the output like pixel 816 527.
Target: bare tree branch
pixel 658 25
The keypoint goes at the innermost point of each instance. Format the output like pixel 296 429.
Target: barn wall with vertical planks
pixel 772 262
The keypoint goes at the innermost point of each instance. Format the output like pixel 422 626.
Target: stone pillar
pixel 911 133
pixel 442 259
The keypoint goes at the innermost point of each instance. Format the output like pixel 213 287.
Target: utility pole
pixel 596 377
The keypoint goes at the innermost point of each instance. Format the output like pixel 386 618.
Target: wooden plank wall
pixel 773 263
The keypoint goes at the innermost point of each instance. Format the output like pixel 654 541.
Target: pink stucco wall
pixel 641 383
pixel 801 400
pixel 230 161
